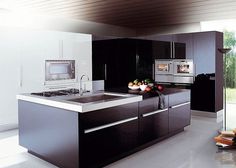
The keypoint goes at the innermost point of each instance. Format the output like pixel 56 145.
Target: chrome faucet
pixel 81 90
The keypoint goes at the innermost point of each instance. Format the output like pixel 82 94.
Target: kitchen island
pixel 71 132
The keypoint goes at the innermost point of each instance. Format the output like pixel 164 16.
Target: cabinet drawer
pixel 153 125
pixel 179 116
pixel 101 146
pixel 178 98
pixel 107 117
pixel 148 105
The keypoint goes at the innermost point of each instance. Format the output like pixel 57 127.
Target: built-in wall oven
pixel 59 72
pixel 164 70
pixel 174 71
pixel 183 67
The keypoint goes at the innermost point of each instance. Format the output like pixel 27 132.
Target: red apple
pixel 160 87
pixel 148 89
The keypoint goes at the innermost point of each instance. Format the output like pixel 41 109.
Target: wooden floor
pixel 193 148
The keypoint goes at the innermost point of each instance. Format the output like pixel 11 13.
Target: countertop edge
pixel 76 107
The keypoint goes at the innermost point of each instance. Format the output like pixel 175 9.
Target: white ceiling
pixel 130 13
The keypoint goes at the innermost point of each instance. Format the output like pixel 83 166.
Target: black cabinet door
pixel 179 116
pixel 101 146
pixel 106 134
pixel 144 61
pixel 121 63
pixel 162 50
pixel 153 122
pixel 169 50
pixel 179 110
pixel 179 50
pixel 114 61
pixel 99 58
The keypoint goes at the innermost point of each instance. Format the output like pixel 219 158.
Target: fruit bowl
pixel 133 87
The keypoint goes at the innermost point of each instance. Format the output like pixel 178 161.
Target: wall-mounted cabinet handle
pixel 153 71
pixel 179 105
pixel 60 48
pixel 105 71
pixel 109 125
pixel 21 76
pixel 171 49
pixel 154 112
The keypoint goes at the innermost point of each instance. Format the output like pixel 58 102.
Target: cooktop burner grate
pixel 57 93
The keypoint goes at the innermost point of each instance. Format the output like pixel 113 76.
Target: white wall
pixel 23 53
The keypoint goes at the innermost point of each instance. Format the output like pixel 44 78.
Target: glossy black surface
pixel 201 87
pixel 102 145
pixel 179 50
pixel 114 61
pixel 108 115
pixel 144 60
pixel 119 61
pixel 179 117
pixel 49 132
pixel 161 50
pixel 153 126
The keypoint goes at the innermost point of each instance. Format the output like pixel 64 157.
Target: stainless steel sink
pixel 95 98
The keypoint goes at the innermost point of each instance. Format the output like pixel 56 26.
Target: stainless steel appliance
pixel 164 70
pixel 183 67
pixel 164 67
pixel 59 71
pixel 174 71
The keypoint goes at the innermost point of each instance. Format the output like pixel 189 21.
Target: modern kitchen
pixel 90 94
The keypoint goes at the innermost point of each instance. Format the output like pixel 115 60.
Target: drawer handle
pixel 154 112
pixel 180 105
pixel 109 125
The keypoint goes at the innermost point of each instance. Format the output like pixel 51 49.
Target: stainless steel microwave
pixel 59 71
pixel 164 67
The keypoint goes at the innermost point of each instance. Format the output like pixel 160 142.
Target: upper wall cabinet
pixel 188 41
pixel 204 51
pixel 61 45
pixel 169 50
pixel 168 46
pixel 144 60
pixel 161 50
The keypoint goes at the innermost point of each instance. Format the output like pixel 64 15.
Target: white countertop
pixel 64 102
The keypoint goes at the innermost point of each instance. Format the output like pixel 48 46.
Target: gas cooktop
pixel 57 92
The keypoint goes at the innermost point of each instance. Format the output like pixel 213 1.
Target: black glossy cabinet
pixel 144 59
pixel 179 50
pixel 179 111
pixel 107 133
pixel 161 50
pixel 153 122
pixel 114 61
pixel 119 61
pixel 169 50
